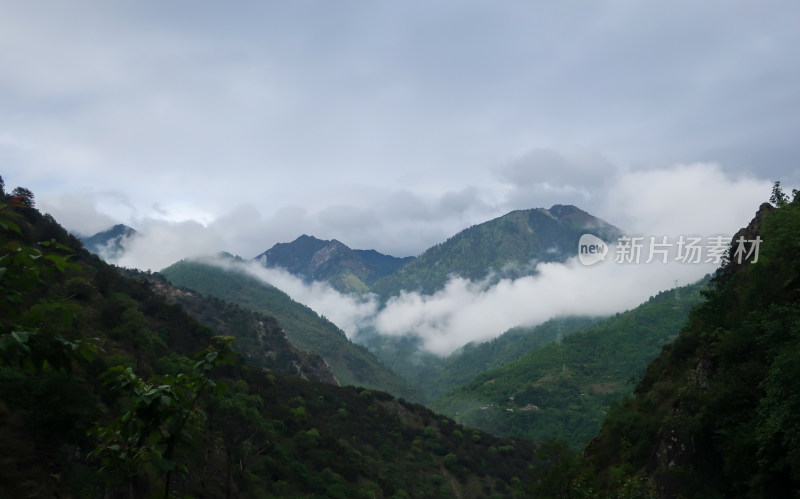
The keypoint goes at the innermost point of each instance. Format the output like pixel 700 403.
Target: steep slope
pixel 504 247
pixel 717 414
pixel 259 338
pixel 474 359
pixel 345 269
pixel 108 243
pixel 563 389
pixel 108 390
pixel 435 375
pixel 351 363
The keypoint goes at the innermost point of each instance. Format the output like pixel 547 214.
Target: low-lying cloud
pixel 698 199
pixel 466 311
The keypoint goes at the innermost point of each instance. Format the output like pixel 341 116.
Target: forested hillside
pixel 434 375
pixel 109 390
pixel 563 389
pixel 258 338
pixel 717 414
pixel 352 364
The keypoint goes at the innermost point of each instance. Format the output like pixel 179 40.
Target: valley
pixel 295 390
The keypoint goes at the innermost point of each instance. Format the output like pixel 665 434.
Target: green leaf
pixel 9 225
pixel 20 336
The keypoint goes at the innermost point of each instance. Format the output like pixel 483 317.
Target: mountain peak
pixel 578 218
pixel 508 246
pixel 330 260
pixel 108 243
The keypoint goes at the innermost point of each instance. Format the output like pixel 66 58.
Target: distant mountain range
pixel 508 246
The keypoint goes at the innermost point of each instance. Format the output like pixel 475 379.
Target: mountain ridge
pixel 350 362
pixel 507 246
pixel 346 269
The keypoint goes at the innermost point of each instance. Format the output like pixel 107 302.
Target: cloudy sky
pixel 391 125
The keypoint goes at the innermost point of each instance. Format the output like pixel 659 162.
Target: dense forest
pixel 717 414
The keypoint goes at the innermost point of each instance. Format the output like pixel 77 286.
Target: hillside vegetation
pixel 352 364
pixel 563 389
pixel 717 414
pixel 507 246
pixel 109 390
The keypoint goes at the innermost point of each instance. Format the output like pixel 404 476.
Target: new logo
pixel 591 249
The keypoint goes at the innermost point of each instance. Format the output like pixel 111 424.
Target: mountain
pixel 259 338
pixel 347 270
pixel 108 243
pixel 474 359
pixel 508 246
pixel 717 414
pixel 564 389
pixel 109 390
pixel 351 363
pixel 435 375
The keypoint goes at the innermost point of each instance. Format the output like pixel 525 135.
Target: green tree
pixel 161 415
pixel 23 196
pixel 778 197
pixel 23 269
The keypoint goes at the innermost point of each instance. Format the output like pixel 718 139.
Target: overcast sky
pixel 392 125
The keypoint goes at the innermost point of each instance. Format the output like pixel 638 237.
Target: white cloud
pixel 465 311
pixel 699 198
pixel 694 199
pixel 78 212
pixel 161 243
pixel 349 312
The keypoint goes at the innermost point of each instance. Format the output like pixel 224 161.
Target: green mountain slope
pixel 109 390
pixel 505 246
pixel 435 375
pixel 347 270
pixel 717 414
pixel 351 363
pixel 259 338
pixel 474 359
pixel 563 389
